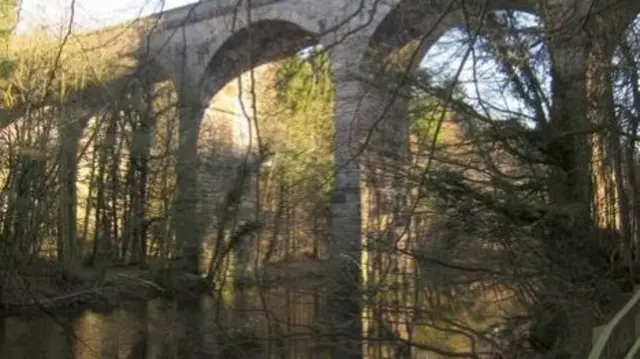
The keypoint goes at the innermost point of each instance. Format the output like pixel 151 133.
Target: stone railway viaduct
pixel 202 47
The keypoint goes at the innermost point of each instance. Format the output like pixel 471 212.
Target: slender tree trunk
pixel 166 193
pixel 630 149
pixel 610 206
pixel 102 236
pixel 115 139
pixel 89 199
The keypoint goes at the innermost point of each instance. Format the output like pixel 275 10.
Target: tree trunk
pixel 610 202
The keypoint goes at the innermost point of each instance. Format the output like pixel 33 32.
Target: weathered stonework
pixel 202 47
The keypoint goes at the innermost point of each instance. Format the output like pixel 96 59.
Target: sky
pixel 92 14
pixel 89 14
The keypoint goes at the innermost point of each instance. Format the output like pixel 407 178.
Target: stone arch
pixel 146 82
pixel 249 48
pixel 402 38
pixel 260 43
pixel 409 22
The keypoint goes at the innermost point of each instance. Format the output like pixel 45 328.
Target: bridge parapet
pixel 200 11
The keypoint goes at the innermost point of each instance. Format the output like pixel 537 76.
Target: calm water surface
pixel 163 329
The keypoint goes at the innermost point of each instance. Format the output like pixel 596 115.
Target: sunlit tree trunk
pixel 569 183
pixel 580 184
pixel 610 200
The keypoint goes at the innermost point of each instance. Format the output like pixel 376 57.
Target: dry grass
pixel 53 68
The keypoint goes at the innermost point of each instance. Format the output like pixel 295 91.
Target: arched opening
pixel 261 43
pixel 264 163
pixel 86 83
pixel 126 169
pixel 87 162
pixel 474 97
pixel 98 103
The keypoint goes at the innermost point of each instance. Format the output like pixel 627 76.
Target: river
pixel 167 329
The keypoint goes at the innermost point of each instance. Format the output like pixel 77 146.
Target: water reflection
pixel 162 329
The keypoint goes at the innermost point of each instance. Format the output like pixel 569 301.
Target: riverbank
pixel 44 286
